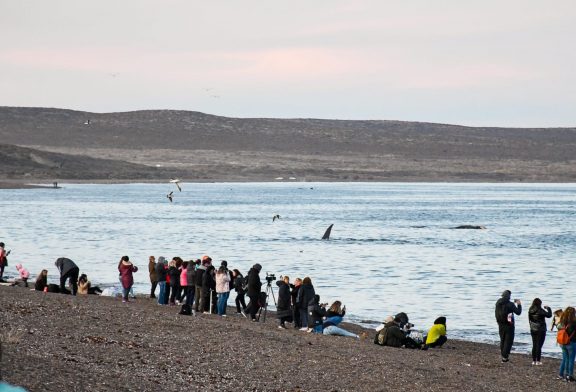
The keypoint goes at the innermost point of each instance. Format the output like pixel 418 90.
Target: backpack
pixel 380 337
pixel 563 338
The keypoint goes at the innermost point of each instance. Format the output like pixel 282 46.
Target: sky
pixel 480 63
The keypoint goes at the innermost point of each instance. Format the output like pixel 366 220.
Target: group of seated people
pixel 396 331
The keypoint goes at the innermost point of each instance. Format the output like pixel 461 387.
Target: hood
pixel 506 295
pixel 440 320
pixel 257 267
pixel 161 260
pixel 18 267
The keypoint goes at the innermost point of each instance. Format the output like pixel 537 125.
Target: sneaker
pixel 206 312
pixel 304 329
pixel 570 379
pixel 538 363
pixel 193 312
pixel 281 327
pixel 124 301
pixel 254 320
pixel 533 363
pixel 223 315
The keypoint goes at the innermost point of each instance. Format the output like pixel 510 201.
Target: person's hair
pixel 1 244
pixel 336 307
pixel 297 280
pixel 307 280
pixel 178 261
pixel 286 279
pixel 43 275
pixel 236 272
pixel 568 316
pixel 198 262
pixel 151 258
pixel 83 278
pixel 185 265
pixel 125 258
pixel 536 304
pixel 222 270
pixel 172 263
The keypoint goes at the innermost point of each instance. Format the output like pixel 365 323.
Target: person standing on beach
pixel 126 269
pixel 199 281
pixel 305 297
pixel 174 275
pixel 240 293
pixel 537 318
pixel 254 288
pixel 190 277
pixel 161 277
pixel 68 270
pixel 153 276
pixel 568 323
pixel 3 261
pixel 283 308
pixel 505 310
pixel 222 287
pixel 208 290
pixel 295 311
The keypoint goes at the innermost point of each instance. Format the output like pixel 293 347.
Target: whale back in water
pixel 470 227
pixel 326 235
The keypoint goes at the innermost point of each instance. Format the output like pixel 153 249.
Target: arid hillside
pixel 206 147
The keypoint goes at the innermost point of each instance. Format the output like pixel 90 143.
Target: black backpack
pixel 380 337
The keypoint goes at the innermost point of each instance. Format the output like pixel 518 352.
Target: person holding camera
pixel 537 318
pixel 254 288
pixel 505 310
pixel 283 309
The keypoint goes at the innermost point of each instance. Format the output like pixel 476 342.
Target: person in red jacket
pixel 126 269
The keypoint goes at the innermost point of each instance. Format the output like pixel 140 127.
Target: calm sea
pixel 392 247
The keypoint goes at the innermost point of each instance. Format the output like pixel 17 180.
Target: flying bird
pixel 177 182
pixel 169 196
pixel 275 217
pixel 326 235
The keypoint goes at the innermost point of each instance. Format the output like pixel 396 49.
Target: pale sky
pixel 489 62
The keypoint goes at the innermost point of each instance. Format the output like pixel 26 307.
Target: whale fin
pixel 326 235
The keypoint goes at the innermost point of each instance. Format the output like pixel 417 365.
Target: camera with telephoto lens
pixel 270 278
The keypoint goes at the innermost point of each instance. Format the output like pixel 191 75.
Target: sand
pixel 55 342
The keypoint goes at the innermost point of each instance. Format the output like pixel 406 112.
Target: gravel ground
pixel 54 342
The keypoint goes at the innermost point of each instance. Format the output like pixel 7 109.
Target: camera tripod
pixel 269 291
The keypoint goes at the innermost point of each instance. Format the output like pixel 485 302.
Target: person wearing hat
pixel 254 288
pixel 505 310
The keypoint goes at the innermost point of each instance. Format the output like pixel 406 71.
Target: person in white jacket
pixel 222 287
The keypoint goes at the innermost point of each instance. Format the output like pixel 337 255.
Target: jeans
pixel 567 364
pixel 125 292
pixel 506 332
pixel 161 294
pixel 334 330
pixel 222 302
pixel 538 338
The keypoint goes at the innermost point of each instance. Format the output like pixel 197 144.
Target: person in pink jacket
pixel 183 282
pixel 24 275
pixel 126 269
pixel 222 287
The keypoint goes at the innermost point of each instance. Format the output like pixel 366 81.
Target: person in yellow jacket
pixel 437 335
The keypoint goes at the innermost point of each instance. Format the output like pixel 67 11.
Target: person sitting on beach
pixel 24 275
pixel 41 281
pixel 391 334
pixel 316 313
pixel 85 287
pixel 68 270
pixel 153 276
pixel 436 335
pixel 126 269
pixel 334 316
pixel 305 296
pixel 239 284
pixel 222 287
pixel 283 308
pixel 208 291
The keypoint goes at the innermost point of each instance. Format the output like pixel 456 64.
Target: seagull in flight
pixel 169 196
pixel 177 182
pixel 275 217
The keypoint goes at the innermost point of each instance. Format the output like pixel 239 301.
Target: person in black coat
pixel 161 272
pixel 294 294
pixel 537 319
pixel 504 311
pixel 305 297
pixel 239 288
pixel 316 313
pixel 254 288
pixel 68 270
pixel 284 308
pixel 198 279
pixel 209 290
pixel 174 274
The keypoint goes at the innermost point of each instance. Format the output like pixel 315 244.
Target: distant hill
pixel 203 146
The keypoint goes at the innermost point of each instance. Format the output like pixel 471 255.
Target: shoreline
pixel 60 342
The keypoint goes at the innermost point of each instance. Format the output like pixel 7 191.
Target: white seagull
pixel 177 182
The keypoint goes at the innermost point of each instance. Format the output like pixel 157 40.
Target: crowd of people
pixel 199 287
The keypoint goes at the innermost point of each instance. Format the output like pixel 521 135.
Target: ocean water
pixel 393 247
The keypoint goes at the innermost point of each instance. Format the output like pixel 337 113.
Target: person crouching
pixel 436 335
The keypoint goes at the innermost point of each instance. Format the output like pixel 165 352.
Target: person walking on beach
pixel 126 269
pixel 153 276
pixel 254 288
pixel 222 287
pixel 537 318
pixel 305 297
pixel 161 277
pixel 283 308
pixel 504 311
pixel 3 261
pixel 568 324
pixel 239 284
pixel 68 270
